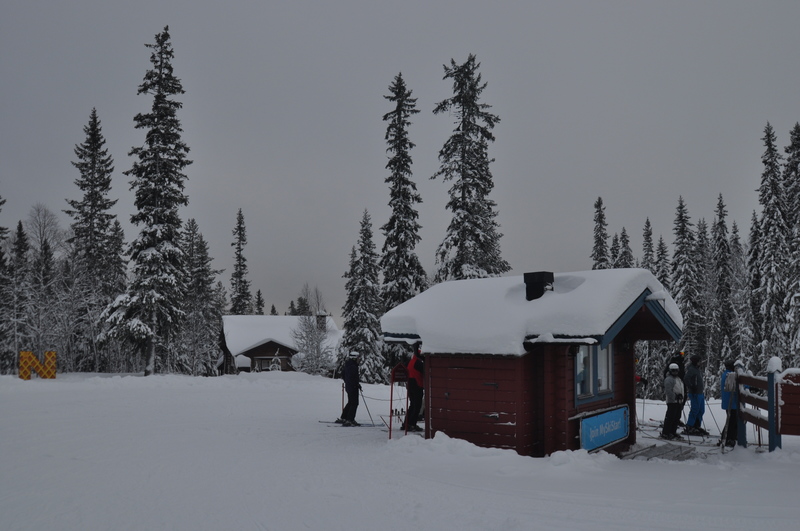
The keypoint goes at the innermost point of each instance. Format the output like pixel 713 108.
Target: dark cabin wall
pixel 486 400
pixel 523 403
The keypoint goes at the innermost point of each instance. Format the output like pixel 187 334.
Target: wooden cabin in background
pixel 536 363
pixel 265 342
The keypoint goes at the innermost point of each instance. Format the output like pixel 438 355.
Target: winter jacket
pixel 416 368
pixel 673 387
pixel 350 376
pixel 730 399
pixel 693 380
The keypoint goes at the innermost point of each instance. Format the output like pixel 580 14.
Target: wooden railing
pixel 747 384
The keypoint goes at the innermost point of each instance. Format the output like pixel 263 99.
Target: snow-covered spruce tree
pixel 791 182
pixel 685 280
pixel 471 247
pixel 648 250
pixel 363 308
pixel 625 256
pixel 663 266
pixel 272 310
pixel 705 288
pixel 600 258
pixel 198 350
pixel 241 298
pixel 259 304
pixel 755 296
pixel 613 251
pixel 149 313
pixel 773 261
pixel 742 335
pixel 722 313
pixel 92 219
pixel 403 274
pixel 97 259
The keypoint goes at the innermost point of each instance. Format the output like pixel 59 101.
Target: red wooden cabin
pixel 536 363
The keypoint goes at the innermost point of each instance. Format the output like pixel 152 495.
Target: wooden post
pixel 774 431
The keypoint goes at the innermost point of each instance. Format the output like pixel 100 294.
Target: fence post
pixel 774 431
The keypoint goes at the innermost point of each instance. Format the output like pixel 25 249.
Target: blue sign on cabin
pixel 604 429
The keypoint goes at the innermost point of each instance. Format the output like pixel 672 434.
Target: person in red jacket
pixel 416 390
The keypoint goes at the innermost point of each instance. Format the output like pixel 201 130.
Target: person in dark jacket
pixel 674 390
pixel 696 396
pixel 416 391
pixel 352 386
pixel 730 403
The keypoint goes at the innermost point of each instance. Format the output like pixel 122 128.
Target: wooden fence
pixel 779 399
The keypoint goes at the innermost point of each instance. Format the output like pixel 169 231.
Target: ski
pixel 334 424
pixel 697 441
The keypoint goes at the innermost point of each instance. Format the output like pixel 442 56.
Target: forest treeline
pixel 155 303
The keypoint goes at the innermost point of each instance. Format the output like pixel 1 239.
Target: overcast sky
pixel 636 102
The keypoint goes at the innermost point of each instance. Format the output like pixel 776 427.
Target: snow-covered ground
pixel 89 452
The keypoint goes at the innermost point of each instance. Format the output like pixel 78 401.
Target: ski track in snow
pixel 247 452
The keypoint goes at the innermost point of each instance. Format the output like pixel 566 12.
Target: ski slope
pixel 91 452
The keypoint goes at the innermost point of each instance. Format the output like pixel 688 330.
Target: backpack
pixel 730 382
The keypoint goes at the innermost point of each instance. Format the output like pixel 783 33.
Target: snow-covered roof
pixel 244 332
pixel 492 315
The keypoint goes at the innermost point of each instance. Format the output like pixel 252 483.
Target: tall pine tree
pixel 471 247
pixel 150 311
pixel 403 274
pixel 200 332
pixel 93 221
pixel 791 182
pixel 600 257
pixel 98 270
pixel 241 298
pixel 685 279
pixel 625 257
pixel 722 326
pixel 363 308
pixel 773 243
pixel 648 251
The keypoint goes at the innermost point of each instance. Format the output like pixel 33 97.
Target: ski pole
pixel 366 406
pixel 712 415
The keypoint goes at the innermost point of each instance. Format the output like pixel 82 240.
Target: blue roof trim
pixel 657 310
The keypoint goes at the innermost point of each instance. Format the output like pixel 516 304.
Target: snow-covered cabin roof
pixel 244 332
pixel 492 315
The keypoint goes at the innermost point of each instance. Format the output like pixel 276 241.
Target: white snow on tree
pixel 150 311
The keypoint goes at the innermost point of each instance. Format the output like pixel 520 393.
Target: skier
pixel 696 396
pixel 677 358
pixel 352 386
pixel 673 388
pixel 416 390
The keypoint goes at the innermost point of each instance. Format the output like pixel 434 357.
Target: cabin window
pixel 604 369
pixel 583 377
pixel 594 369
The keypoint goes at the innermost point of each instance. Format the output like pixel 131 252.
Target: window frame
pixel 595 391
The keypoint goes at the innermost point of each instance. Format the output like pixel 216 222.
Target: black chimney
pixel 537 283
